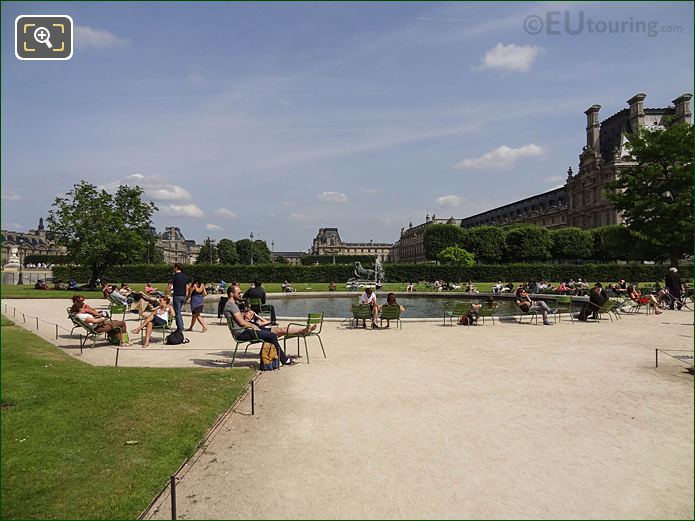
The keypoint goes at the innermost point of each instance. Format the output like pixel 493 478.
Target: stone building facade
pixel 409 248
pixel 328 242
pixel 582 202
pixel 176 248
pixel 33 242
pixel 548 209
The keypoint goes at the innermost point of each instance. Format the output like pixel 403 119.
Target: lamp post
pixel 272 254
pixel 251 235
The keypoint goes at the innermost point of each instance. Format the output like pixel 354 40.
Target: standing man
pixel 179 288
pixel 673 283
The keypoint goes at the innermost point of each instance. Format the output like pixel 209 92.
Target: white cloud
pixel 501 158
pixel 297 217
pixel 554 179
pixel 85 37
pixel 11 196
pixel 212 227
pixel 187 210
pixel 332 197
pixel 225 214
pixel 449 201
pixel 510 57
pixel 155 187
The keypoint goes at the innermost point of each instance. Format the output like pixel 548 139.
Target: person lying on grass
pixel 102 324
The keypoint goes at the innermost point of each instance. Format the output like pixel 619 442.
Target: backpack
pixel 176 338
pixel 269 357
pixel 464 321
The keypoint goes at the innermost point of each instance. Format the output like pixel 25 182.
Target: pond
pixel 415 307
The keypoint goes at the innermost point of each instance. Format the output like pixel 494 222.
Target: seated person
pixel 73 284
pixel 102 324
pixel 287 287
pixel 650 299
pixel 369 298
pixel 507 288
pixel 159 318
pixel 497 288
pixel 152 291
pixel 331 286
pixel 257 292
pixel 118 296
pixel 125 290
pixel 621 287
pixel 597 298
pixel 391 301
pixel 251 330
pixel 525 304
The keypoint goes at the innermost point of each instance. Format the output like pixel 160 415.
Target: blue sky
pixel 280 118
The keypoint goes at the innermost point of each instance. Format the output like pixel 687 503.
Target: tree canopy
pixel 487 243
pixel 256 250
pixel 100 229
pixel 208 253
pixel 456 256
pixel 571 243
pixel 440 236
pixel 226 250
pixel 528 243
pixel 655 195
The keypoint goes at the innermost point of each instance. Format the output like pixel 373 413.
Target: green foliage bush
pixel 394 272
pixel 527 243
pixel 366 260
pixel 440 236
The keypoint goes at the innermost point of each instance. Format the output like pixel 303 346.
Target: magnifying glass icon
pixel 43 35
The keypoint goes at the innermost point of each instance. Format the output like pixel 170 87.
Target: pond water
pixel 340 306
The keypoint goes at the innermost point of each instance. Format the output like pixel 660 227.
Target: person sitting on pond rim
pixel 251 330
pixel 369 298
pixel 102 324
pixel 159 318
pixel 257 292
pixel 525 304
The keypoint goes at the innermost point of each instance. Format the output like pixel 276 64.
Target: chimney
pixel 592 127
pixel 636 103
pixel 682 104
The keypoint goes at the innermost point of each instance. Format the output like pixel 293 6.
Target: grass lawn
pixel 65 424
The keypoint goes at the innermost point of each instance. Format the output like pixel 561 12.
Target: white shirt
pixel 368 299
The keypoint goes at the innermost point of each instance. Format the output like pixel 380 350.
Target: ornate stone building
pixel 582 202
pixel 33 242
pixel 548 209
pixel 176 248
pixel 328 242
pixel 410 248
pixel 605 155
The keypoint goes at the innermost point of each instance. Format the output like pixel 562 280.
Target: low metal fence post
pixel 173 497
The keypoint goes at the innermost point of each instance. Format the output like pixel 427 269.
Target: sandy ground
pixel 503 421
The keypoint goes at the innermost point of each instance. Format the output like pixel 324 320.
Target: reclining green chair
pixel 488 311
pixel 312 319
pixel 236 330
pixel 391 312
pixel 361 312
pixel 460 309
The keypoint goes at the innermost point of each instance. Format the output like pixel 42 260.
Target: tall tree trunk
pixel 674 259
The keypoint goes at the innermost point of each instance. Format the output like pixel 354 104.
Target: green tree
pixel 655 196
pixel 571 244
pixel 487 243
pixel 99 229
pixel 440 236
pixel 261 253
pixel 527 242
pixel 279 259
pixel 456 256
pixel 226 249
pixel 208 253
pixel 613 242
pixel 244 249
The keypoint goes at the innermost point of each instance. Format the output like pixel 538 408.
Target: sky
pixel 278 119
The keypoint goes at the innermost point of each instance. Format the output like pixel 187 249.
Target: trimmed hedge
pixel 394 272
pixel 366 260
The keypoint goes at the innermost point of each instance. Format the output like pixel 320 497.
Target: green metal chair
pixel 488 311
pixel 117 308
pixel 563 304
pixel 312 319
pixel 90 332
pixel 361 312
pixel 609 308
pixel 392 312
pixel 460 309
pixel 257 305
pixel 530 313
pixel 235 330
